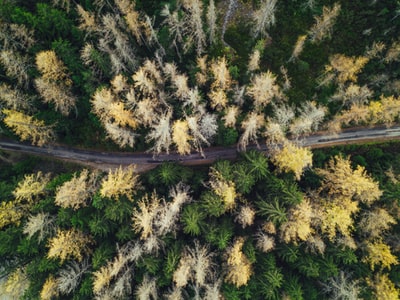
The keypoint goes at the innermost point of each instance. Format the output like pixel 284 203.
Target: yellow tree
pixel 383 288
pixel 120 182
pixel 181 137
pixel 75 193
pixel 378 253
pixel 292 158
pixel 223 188
pixel 54 84
pixel 49 289
pixel 341 179
pixel 298 226
pixel 344 68
pixel 31 187
pixel 27 127
pixel 71 243
pixel 16 284
pixel 238 265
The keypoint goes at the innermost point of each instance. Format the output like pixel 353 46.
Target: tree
pixel 341 179
pixel 161 133
pixel 324 24
pixel 120 182
pixel 67 244
pixel 54 85
pixel 239 267
pixel 223 188
pixel 292 158
pixel 31 187
pixel 211 21
pixel 251 125
pixel 69 277
pixel 341 287
pixel 74 193
pixel 383 287
pixel 16 284
pixel 194 25
pixel 298 226
pixel 378 253
pixel 298 47
pixel 181 137
pixel 263 89
pixel 147 289
pixel 309 119
pixel 143 216
pixel 16 66
pixel 264 17
pixel 14 98
pixel 28 128
pixel 49 289
pixel 343 68
pixel 375 222
pixel 245 216
pixel 231 114
pixel 41 223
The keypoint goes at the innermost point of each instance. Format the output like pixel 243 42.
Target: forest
pixel 180 76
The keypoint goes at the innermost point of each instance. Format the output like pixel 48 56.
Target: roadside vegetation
pixel 180 76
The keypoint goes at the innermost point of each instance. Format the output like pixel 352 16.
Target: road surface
pixel 146 161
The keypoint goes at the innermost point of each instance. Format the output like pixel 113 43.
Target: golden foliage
pixel 120 182
pixel 383 288
pixel 17 283
pixel 292 158
pixel 31 187
pixel 181 137
pixel 67 244
pixel 254 61
pixel 223 188
pixel 379 253
pixel 28 128
pixel 298 226
pixel 337 216
pixel 238 265
pixel 74 193
pixel 49 289
pixel 10 213
pixel 220 72
pixel 218 99
pixel 341 179
pixel 87 19
pixel 345 68
pixel 52 68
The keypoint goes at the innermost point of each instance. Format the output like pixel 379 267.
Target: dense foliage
pixel 234 229
pixel 182 75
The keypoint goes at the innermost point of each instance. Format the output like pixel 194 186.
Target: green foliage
pixel 212 204
pixel 219 232
pixel 273 212
pixel 193 219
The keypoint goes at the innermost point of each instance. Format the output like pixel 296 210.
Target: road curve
pixel 146 161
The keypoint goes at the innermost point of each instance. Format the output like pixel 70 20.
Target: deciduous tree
pixel 68 244
pixel 181 137
pixel 75 193
pixel 323 25
pixel 264 17
pixel 239 267
pixel 28 128
pixel 120 182
pixel 31 187
pixel 263 89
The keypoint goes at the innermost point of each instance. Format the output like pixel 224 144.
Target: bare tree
pixel 324 24
pixel 264 17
